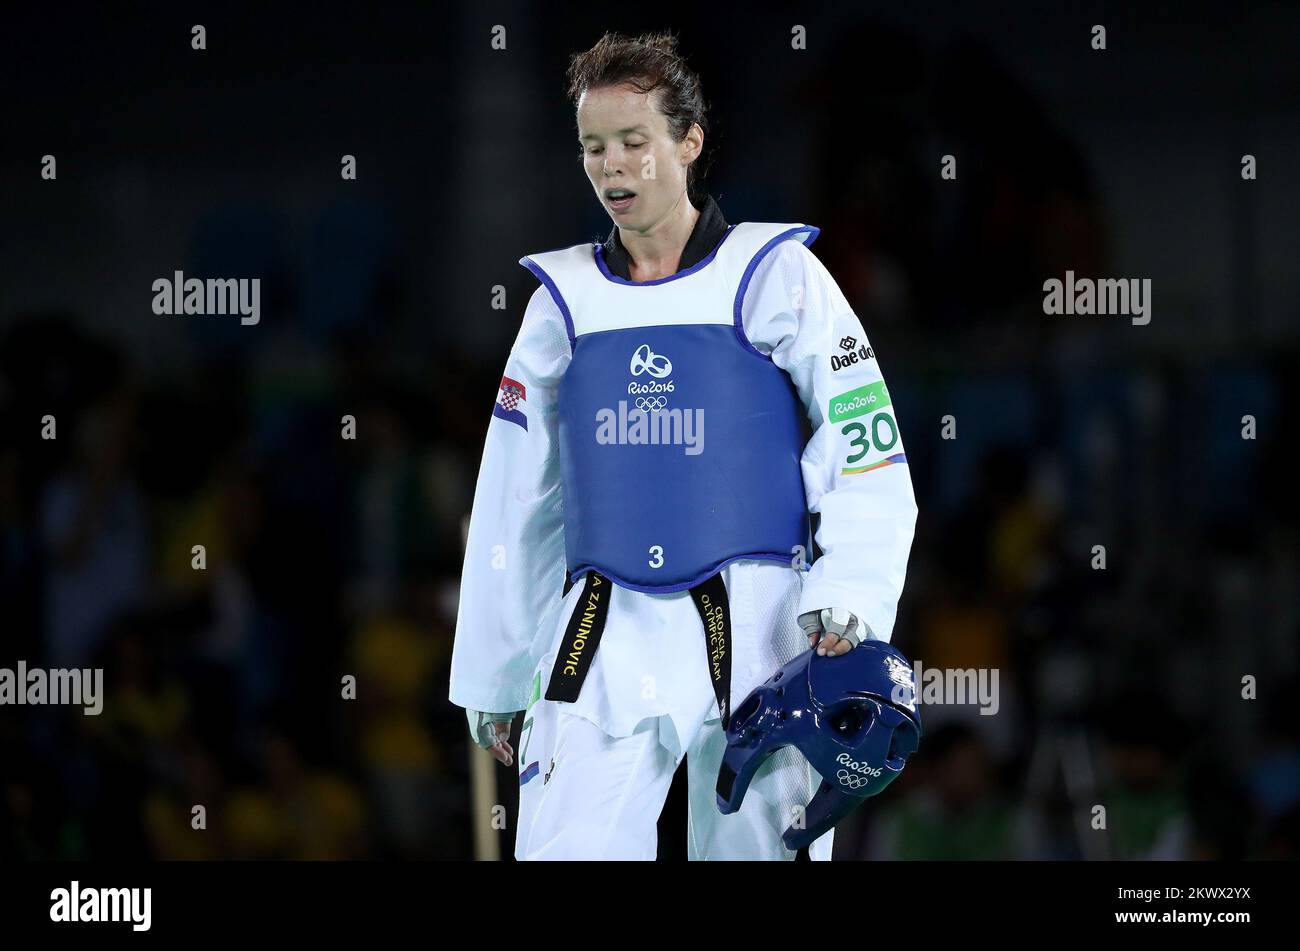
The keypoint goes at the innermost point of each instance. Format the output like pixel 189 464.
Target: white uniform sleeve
pixel 514 556
pixel 854 470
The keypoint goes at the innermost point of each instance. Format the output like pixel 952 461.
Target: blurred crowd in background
pixel 328 557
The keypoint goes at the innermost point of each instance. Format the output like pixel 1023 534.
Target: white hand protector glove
pixel 492 732
pixel 837 621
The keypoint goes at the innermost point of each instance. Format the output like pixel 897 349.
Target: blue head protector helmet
pixel 853 717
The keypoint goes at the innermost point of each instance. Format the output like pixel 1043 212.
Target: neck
pixel 657 251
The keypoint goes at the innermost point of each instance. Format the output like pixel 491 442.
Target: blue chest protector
pixel 679 442
pixel 667 480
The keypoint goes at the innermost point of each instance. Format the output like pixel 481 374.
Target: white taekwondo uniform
pixel 594 770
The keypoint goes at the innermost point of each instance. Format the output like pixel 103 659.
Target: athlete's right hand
pixel 492 732
pixel 831 631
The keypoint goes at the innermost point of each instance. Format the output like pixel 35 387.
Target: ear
pixel 693 144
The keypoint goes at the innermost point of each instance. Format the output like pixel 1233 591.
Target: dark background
pixel 328 557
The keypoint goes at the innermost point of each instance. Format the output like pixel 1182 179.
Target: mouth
pixel 619 199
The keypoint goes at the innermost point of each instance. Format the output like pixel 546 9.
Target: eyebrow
pixel 635 128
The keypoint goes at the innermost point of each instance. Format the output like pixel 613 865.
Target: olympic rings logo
pixel 645 360
pixel 651 404
pixel 852 780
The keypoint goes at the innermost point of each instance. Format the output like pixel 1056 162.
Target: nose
pixel 607 169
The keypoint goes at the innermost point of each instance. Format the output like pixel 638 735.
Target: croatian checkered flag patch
pixel 509 398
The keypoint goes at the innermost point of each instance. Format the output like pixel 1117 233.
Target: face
pixel 633 163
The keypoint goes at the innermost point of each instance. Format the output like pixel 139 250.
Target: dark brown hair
pixel 649 62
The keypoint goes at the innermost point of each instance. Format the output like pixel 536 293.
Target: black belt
pixel 581 638
pixel 587 624
pixel 710 599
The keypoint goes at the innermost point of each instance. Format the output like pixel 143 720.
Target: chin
pixel 638 218
pixel 631 222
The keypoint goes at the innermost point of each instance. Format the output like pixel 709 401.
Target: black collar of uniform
pixel 706 234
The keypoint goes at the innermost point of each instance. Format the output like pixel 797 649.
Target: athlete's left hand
pixel 833 631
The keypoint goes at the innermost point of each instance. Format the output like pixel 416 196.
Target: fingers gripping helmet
pixel 853 717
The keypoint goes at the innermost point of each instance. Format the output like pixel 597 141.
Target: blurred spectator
pixel 169 810
pixel 94 535
pixel 1146 810
pixel 394 660
pixel 954 810
pixel 297 812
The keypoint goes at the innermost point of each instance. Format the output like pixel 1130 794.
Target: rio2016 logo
pixel 854 406
pixel 847 761
pixel 645 360
pixel 859 402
